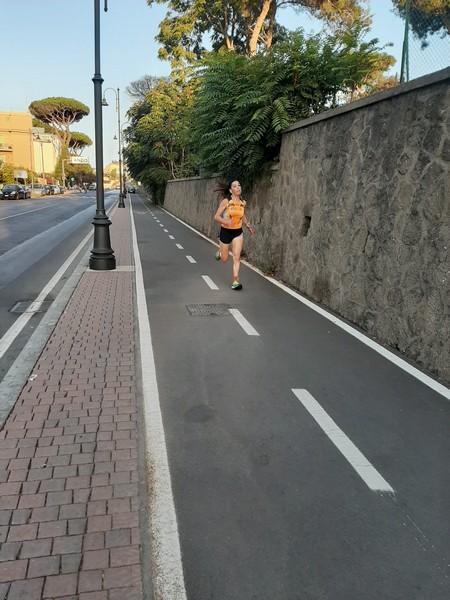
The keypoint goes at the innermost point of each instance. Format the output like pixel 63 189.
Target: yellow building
pixel 23 145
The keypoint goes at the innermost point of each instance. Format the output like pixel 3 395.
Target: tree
pixel 78 142
pixel 158 139
pixel 426 16
pixel 240 25
pixel 59 113
pixel 139 89
pixel 243 104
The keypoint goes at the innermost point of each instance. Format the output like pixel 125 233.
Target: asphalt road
pixel 304 465
pixel 36 238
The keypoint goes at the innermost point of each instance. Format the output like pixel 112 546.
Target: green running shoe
pixel 236 285
pixel 217 255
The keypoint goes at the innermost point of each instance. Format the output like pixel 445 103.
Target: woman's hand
pixel 249 227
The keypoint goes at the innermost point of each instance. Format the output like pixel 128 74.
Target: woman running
pixel 230 215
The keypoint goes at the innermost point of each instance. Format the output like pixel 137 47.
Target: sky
pixel 48 50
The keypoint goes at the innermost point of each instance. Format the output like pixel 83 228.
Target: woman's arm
pixel 218 216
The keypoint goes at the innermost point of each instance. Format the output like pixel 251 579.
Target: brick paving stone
pixel 26 590
pixel 60 586
pixel 41 567
pixel 13 570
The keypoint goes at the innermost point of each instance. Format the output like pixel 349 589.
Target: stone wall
pixel 356 216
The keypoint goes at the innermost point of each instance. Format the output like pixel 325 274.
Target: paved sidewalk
pixel 69 520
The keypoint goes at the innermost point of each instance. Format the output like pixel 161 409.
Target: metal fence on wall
pixel 426 44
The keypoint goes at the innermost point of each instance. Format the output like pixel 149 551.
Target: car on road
pixel 131 189
pixel 26 191
pixel 37 189
pixel 55 189
pixel 92 186
pixel 11 191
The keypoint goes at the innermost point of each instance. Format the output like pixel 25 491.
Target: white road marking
pixel 166 230
pixel 190 259
pixel 249 330
pixel 210 282
pixel 179 246
pixel 28 211
pixel 171 237
pixel 168 580
pixel 19 324
pixel 358 461
pixel 161 225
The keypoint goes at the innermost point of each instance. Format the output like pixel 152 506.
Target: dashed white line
pixel 171 237
pixel 190 259
pixel 161 225
pixel 166 230
pixel 249 330
pixel 210 282
pixel 179 246
pixel 358 461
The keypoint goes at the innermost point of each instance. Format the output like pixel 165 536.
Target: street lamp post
pixel 119 135
pixel 102 256
pixel 123 169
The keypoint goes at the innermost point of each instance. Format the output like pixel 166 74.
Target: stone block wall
pixel 356 216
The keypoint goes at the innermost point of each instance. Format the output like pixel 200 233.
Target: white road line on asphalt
pixel 249 330
pixel 210 282
pixel 190 259
pixel 28 211
pixel 16 328
pixel 171 237
pixel 161 225
pixel 167 568
pixel 358 461
pixel 166 230
pixel 179 246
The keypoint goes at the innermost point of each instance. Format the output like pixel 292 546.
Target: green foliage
pixel 243 104
pixel 79 141
pixel 59 113
pixel 426 16
pixel 158 148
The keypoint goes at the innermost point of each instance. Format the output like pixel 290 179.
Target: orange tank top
pixel 235 212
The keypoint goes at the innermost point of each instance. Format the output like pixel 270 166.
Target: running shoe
pixel 236 285
pixel 217 255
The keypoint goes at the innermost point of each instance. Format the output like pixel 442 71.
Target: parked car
pixel 26 191
pixel 11 191
pixel 48 190
pixel 131 190
pixel 55 189
pixel 92 186
pixel 62 189
pixel 37 189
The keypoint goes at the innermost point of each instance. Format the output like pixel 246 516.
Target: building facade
pixel 27 147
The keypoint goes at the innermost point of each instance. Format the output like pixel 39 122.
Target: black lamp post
pixel 102 256
pixel 104 103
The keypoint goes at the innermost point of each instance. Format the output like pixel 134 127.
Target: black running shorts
pixel 227 235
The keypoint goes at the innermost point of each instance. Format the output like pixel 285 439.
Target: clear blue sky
pixel 48 50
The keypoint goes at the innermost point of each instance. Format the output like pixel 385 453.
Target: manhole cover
pixel 208 310
pixel 30 306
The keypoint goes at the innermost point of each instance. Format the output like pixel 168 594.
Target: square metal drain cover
pixel 208 310
pixel 30 306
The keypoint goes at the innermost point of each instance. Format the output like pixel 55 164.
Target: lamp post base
pixel 102 256
pixel 121 200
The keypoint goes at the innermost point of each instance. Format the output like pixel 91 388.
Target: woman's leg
pixel 224 251
pixel 236 249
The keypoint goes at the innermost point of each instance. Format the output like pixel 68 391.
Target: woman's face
pixel 236 188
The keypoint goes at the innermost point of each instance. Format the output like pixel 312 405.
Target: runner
pixel 230 215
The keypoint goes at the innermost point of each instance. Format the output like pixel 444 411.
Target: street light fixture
pixel 102 256
pixel 104 103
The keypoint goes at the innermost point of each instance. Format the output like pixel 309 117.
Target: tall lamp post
pixel 102 256
pixel 123 169
pixel 119 135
